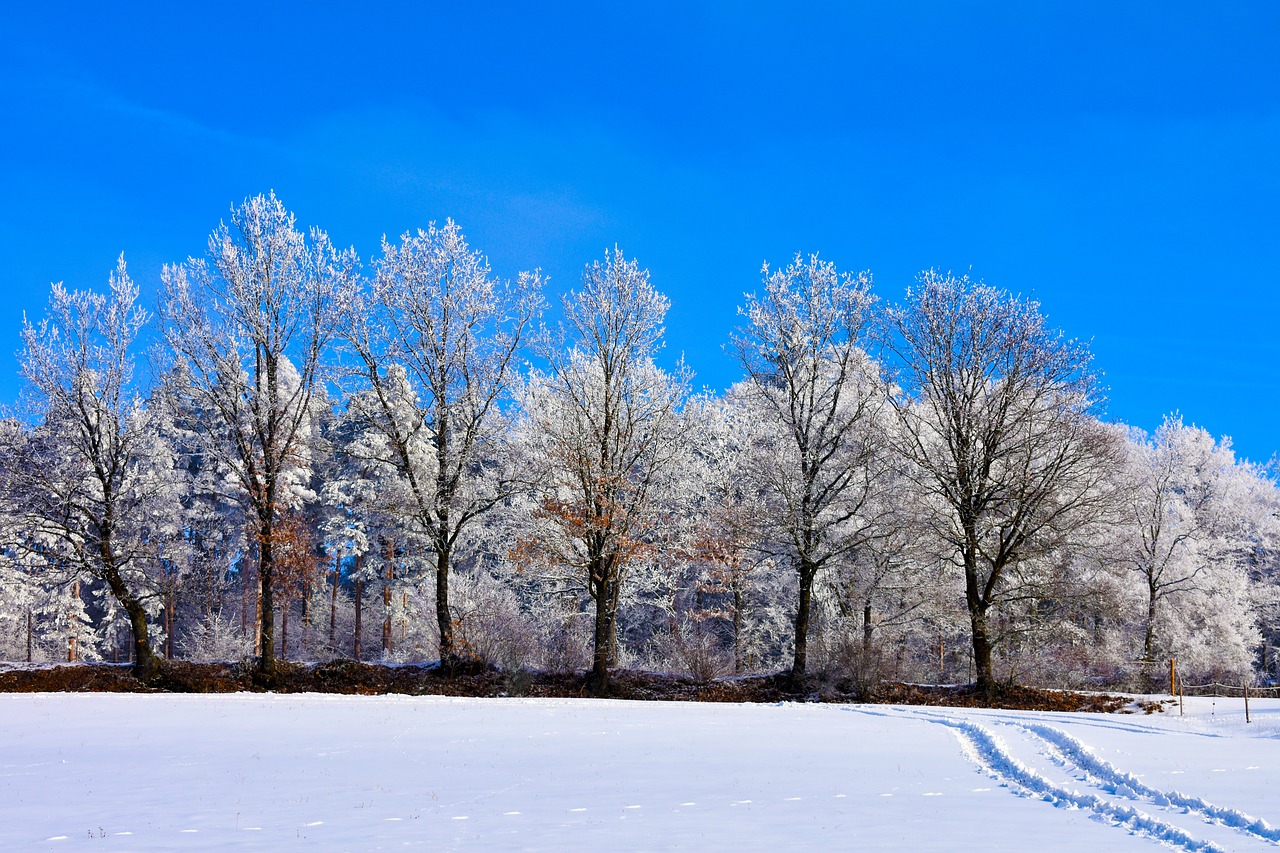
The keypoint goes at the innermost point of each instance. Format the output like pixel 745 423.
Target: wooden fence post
pixel 1173 676
pixel 1246 702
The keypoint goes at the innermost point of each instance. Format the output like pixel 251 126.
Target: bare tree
pixel 803 350
pixel 604 422
pixel 247 328
pixel 894 579
pixel 437 342
pixel 997 418
pixel 94 479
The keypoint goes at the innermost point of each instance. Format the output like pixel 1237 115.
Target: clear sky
pixel 1119 162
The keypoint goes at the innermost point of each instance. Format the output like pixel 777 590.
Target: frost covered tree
pixel 803 349
pixel 211 520
pixel 1165 498
pixel 721 512
pixel 248 327
pixel 603 424
pixel 893 581
pixel 366 497
pixel 1196 519
pixel 93 480
pixel 1257 552
pixel 20 595
pixel 996 416
pixel 437 342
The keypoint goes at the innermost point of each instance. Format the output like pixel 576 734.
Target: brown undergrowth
pixel 467 679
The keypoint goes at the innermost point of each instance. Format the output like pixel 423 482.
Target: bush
pixel 216 638
pixel 690 647
pixel 565 645
pixel 489 626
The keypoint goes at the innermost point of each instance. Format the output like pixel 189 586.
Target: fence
pixel 1228 691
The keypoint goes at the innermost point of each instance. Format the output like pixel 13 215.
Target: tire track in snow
pixel 989 752
pixel 1115 781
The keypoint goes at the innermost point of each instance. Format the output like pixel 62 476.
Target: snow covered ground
pixel 271 772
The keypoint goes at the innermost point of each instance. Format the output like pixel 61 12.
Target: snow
pixel 264 771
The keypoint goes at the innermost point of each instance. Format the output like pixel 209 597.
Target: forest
pixel 302 455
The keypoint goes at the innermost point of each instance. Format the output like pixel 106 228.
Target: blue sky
pixel 1119 162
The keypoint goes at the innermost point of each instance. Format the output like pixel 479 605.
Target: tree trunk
pixel 257 615
pixel 598 680
pixel 333 606
pixel 306 617
pixel 606 589
pixel 1149 637
pixel 71 622
pixel 441 525
pixel 866 626
pixel 985 683
pixel 29 633
pixel 171 617
pixel 444 619
pixel 359 612
pixel 737 630
pixel 985 680
pixel 803 610
pixel 613 637
pixel 145 664
pixel 386 612
pixel 284 628
pixel 267 622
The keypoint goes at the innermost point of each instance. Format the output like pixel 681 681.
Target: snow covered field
pixel 270 772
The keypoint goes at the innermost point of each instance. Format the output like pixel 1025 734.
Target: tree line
pixel 925 490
